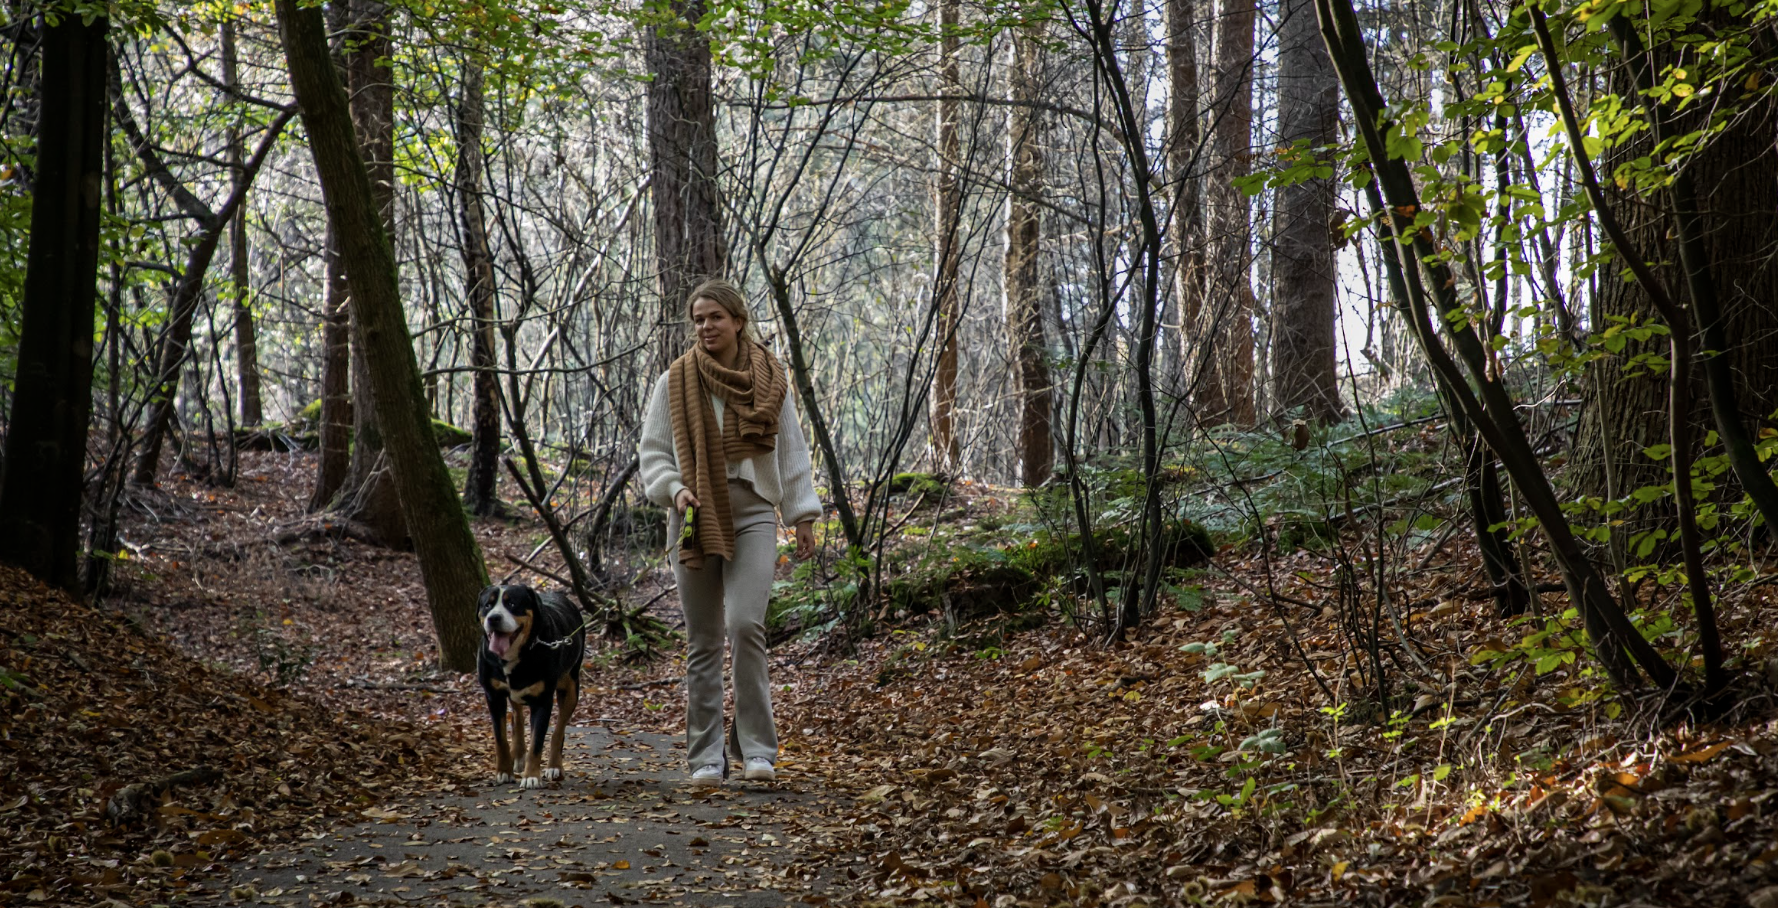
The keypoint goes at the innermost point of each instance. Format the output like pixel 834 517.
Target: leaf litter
pixel 1195 764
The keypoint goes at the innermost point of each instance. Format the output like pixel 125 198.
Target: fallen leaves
pixel 134 768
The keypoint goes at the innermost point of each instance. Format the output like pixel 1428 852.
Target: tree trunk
pixel 1230 312
pixel 1303 308
pixel 368 495
pixel 688 242
pixel 1024 241
pixel 450 563
pixel 246 342
pixel 1183 137
pixel 947 212
pixel 1732 234
pixel 40 492
pixel 1619 646
pixel 335 427
pixel 478 267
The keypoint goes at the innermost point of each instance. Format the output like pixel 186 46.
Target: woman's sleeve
pixel 656 455
pixel 796 476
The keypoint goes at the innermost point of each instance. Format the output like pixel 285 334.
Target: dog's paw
pixel 530 782
pixel 551 774
pixel 501 778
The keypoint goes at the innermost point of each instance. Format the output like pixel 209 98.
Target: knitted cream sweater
pixel 783 477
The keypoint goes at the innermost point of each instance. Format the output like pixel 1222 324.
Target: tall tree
pixel 335 429
pixel 1707 230
pixel 246 340
pixel 368 494
pixel 947 212
pixel 450 563
pixel 1230 313
pixel 478 269
pixel 40 490
pixel 1024 243
pixel 1184 136
pixel 688 241
pixel 1303 308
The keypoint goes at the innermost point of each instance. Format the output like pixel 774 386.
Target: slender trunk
pixel 40 491
pixel 1024 242
pixel 688 241
pixel 1231 309
pixel 188 289
pixel 1620 647
pixel 947 190
pixel 1303 308
pixel 805 389
pixel 246 341
pixel 368 494
pixel 450 563
pixel 1481 477
pixel 478 267
pixel 1139 590
pixel 335 427
pixel 1184 137
pixel 1679 338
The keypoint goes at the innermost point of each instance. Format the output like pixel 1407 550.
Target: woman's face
pixel 716 328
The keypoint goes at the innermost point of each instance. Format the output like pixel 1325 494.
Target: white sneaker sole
pixel 760 775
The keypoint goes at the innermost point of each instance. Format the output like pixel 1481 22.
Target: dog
pixel 532 646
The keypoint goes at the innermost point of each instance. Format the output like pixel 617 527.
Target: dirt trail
pixel 624 827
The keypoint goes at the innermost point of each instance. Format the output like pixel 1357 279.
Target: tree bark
pixel 947 209
pixel 1303 308
pixel 1024 242
pixel 688 241
pixel 246 340
pixel 368 495
pixel 450 563
pixel 1715 238
pixel 478 268
pixel 40 492
pixel 1184 137
pixel 335 429
pixel 1230 314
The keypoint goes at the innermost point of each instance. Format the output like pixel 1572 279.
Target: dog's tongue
pixel 498 643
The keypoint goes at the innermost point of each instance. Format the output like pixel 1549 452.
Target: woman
pixel 722 439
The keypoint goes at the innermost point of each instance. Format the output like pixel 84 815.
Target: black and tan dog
pixel 531 650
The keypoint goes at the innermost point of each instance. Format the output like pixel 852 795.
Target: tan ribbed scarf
pixel 752 397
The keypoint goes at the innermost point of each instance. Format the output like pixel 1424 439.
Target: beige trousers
pixel 730 595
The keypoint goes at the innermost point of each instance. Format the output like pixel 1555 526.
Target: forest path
pixel 625 826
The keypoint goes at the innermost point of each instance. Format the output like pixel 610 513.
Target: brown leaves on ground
pixel 96 711
pixel 1197 764
pixel 1054 770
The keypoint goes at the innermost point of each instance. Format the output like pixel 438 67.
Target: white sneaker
pixel 759 769
pixel 708 773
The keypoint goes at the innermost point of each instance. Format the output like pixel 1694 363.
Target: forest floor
pixel 260 716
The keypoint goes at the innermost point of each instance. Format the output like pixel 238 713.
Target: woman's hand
pixel 805 540
pixel 685 499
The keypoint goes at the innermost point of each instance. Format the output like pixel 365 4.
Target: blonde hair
pixel 724 293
